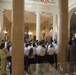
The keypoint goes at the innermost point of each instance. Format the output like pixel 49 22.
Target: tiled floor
pixel 39 69
pixel 43 69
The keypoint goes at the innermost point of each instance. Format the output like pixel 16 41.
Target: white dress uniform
pixel 40 50
pixel 26 51
pixel 51 51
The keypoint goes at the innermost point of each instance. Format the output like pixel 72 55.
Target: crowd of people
pixel 35 50
pixel 39 51
pixel 31 49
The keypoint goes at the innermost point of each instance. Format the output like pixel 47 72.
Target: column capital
pixel 37 12
pixel 54 14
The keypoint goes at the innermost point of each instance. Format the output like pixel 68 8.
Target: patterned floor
pixel 41 69
pixel 46 69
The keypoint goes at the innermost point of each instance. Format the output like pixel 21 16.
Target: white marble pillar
pixel 18 38
pixel 69 28
pixel 9 31
pixel 62 41
pixel 38 26
pixel 54 26
pixel 1 26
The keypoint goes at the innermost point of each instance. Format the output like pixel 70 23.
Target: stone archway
pixel 71 11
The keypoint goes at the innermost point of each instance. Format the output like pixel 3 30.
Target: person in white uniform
pixel 40 50
pixel 51 50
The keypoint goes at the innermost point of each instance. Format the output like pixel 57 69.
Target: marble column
pixel 54 26
pixel 69 28
pixel 62 30
pixel 9 31
pixel 5 26
pixel 38 26
pixel 1 26
pixel 18 38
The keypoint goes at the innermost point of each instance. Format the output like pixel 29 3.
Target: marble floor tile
pixel 39 69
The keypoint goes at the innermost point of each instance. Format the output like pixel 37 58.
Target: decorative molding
pixel 5 0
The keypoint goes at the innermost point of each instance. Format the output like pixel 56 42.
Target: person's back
pixel 51 50
pixel 34 49
pixel 72 53
pixel 26 50
pixel 40 50
pixel 31 55
pixel 72 56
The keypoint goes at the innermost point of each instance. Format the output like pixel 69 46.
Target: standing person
pixel 51 50
pixel 72 56
pixel 40 53
pixel 31 58
pixel 8 45
pixel 2 42
pixel 26 52
pixel 34 49
pixel 50 54
pixel 40 50
pixel 10 60
pixel 3 59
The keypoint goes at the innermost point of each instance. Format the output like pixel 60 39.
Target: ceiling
pixel 29 17
pixel 30 14
pixel 46 10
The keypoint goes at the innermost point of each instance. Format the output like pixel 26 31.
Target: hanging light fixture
pixel 5 31
pixel 75 12
pixel 30 33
